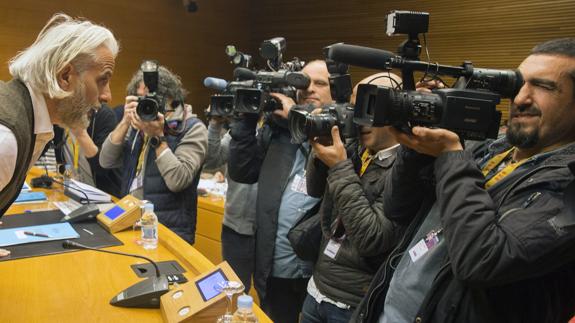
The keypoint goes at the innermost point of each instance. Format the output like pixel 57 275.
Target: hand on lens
pixel 330 155
pixel 286 102
pixel 428 141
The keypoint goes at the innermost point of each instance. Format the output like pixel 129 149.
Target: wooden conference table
pixel 77 286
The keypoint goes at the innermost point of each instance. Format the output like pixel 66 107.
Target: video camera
pixel 469 108
pixel 250 90
pixel 303 124
pixel 150 104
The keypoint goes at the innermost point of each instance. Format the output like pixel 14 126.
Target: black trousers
pixel 284 299
pixel 239 251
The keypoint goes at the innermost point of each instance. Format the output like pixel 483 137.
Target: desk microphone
pixel 144 294
pixel 84 213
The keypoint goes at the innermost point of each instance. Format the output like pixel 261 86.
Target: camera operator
pixel 239 223
pixel 356 234
pixel 161 158
pixel 278 166
pixel 497 244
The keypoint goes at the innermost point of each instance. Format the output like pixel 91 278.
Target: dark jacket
pixel 175 210
pixel 17 114
pixel 369 235
pixel 266 159
pixel 510 247
pixel 102 123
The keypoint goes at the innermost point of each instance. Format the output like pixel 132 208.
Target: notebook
pixel 37 233
pixel 31 197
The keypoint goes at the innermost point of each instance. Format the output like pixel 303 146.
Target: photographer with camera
pixel 497 243
pixel 162 156
pixel 356 233
pixel 278 166
pixel 238 227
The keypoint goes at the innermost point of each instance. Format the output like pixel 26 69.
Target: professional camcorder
pixel 468 108
pixel 150 104
pixel 250 90
pixel 304 125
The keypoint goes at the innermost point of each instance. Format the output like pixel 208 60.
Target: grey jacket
pixel 369 235
pixel 239 213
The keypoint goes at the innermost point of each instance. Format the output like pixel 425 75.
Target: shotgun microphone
pixel 145 294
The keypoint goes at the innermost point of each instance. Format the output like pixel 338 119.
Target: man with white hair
pixel 56 81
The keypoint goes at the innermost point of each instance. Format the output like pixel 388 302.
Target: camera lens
pixel 303 125
pixel 147 109
pixel 248 100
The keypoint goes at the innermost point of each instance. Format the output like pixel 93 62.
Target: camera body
pixel 257 98
pixel 150 105
pixel 304 125
pixel 470 113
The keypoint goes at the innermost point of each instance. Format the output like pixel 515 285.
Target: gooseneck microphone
pixel 83 213
pixel 144 294
pixel 74 245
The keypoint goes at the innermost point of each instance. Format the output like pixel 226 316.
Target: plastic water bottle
pixel 244 313
pixel 149 225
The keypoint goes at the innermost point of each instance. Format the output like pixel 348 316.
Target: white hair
pixel 63 40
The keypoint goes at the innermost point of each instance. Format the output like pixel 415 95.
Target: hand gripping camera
pixel 150 104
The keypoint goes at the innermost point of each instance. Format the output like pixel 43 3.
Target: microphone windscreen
pixel 241 73
pixel 360 56
pixel 215 83
pixel 297 79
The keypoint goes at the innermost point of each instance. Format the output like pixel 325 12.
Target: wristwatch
pixel 156 141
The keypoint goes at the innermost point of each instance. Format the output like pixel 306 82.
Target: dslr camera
pixel 150 104
pixel 304 125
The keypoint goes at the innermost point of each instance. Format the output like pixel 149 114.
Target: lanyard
pixel 495 162
pixel 73 144
pixel 142 156
pixel 365 161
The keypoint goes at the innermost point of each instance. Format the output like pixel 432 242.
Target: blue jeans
pixel 314 312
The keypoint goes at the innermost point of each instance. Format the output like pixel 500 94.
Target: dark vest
pixel 17 114
pixel 175 210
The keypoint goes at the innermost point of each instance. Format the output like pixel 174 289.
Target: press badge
pixel 424 245
pixel 299 184
pixel 332 248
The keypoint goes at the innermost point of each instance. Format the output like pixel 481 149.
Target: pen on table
pixel 39 210
pixel 35 234
pixel 90 232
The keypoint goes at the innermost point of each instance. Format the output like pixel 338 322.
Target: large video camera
pixel 250 90
pixel 469 108
pixel 150 104
pixel 304 125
